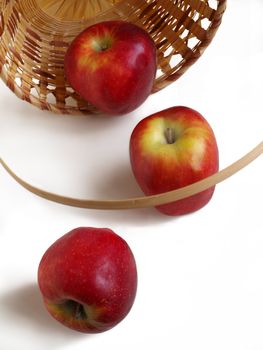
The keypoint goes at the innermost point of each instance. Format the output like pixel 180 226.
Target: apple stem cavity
pixel 170 135
pixel 102 45
pixel 76 309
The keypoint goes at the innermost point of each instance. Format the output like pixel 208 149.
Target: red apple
pixel 112 65
pixel 88 279
pixel 171 149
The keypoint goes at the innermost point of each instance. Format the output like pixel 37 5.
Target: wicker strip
pixel 147 201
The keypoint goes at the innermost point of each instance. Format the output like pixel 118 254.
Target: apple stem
pixel 79 312
pixel 104 47
pixel 170 135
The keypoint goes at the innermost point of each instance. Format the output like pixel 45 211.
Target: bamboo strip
pixel 147 201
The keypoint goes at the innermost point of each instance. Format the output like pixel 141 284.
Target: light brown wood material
pixel 34 36
pixel 148 201
pixel 74 10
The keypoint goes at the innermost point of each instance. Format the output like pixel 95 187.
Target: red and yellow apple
pixel 112 65
pixel 172 149
pixel 88 279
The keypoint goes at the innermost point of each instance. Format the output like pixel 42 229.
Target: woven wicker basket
pixel 36 33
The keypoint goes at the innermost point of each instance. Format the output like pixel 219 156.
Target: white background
pixel 200 276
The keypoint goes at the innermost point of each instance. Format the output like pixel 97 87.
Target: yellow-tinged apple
pixel 171 149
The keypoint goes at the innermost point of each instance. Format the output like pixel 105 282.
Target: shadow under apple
pixel 28 312
pixel 120 184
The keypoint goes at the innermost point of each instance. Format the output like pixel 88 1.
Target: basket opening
pixel 74 9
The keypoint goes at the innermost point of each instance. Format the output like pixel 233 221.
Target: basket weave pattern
pixel 33 42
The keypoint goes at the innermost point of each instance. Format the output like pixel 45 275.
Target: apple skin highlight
pixel 162 165
pixel 88 279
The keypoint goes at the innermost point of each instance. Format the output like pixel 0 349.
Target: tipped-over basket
pixel 34 35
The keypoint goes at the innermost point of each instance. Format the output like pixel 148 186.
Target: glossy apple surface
pixel 112 65
pixel 88 279
pixel 171 149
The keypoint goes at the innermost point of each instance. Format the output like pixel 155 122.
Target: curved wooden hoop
pixel 147 201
